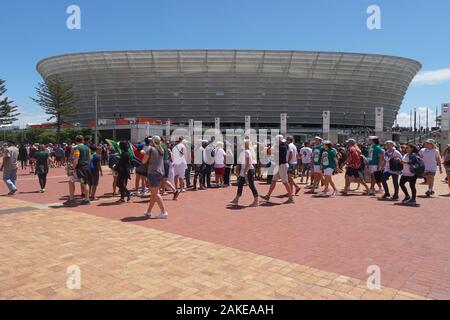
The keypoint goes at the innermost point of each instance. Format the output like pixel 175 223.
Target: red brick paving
pixel 342 234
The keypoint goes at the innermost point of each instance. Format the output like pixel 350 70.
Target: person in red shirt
pixel 354 167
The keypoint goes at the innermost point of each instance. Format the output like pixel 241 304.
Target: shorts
pixel 179 170
pixel 83 174
pixel 373 168
pixel 282 173
pixel 219 171
pixel 352 172
pixel 307 166
pixel 74 178
pixel 166 168
pixel 317 169
pixel 328 172
pixel 94 178
pixel 429 173
pixel 292 168
pixel 154 179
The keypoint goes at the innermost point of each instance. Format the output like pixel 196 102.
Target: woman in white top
pixel 391 157
pixel 247 172
pixel 179 154
pixel 219 163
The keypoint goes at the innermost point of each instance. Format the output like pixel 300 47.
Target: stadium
pixel 204 84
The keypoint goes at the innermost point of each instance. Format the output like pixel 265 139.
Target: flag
pixel 113 144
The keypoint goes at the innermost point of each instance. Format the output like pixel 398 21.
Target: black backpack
pixel 417 166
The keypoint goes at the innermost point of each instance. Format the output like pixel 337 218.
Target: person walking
pixel 432 160
pixel 179 154
pixel 219 164
pixel 154 159
pixel 330 166
pixel 95 167
pixel 42 161
pixel 280 151
pixel 392 168
pixel 408 176
pixel 447 164
pixel 123 169
pixel 355 166
pixel 376 161
pixel 247 173
pixel 9 166
pixel 23 157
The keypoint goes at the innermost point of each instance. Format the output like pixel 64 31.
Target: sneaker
pixel 289 201
pixel 266 197
pixel 406 200
pixel 394 198
pixel 385 196
pixel 12 192
pixel 297 191
pixel 412 201
pixel 372 192
pixel 69 202
pixel 148 214
pixel 120 200
pixel 42 191
pixel 176 194
pixel 162 215
pixel 254 205
pixel 85 202
pixel 428 193
pixel 323 195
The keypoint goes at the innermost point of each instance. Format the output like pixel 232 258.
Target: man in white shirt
pixel 306 154
pixel 199 166
pixel 292 161
pixel 431 159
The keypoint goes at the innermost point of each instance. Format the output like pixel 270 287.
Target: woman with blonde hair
pixel 247 172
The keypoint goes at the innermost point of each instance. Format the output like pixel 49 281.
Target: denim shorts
pixel 154 179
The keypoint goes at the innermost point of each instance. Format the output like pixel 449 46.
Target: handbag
pixel 395 165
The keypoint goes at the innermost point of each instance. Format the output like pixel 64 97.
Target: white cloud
pixel 432 77
pixel 403 118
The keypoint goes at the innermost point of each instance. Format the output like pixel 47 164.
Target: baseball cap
pixel 352 141
pixel 156 139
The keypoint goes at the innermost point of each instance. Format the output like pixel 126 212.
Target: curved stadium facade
pixel 230 84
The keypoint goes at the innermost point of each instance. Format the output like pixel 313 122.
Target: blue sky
pixel 414 29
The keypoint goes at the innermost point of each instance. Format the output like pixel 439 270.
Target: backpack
pixel 364 162
pixel 417 166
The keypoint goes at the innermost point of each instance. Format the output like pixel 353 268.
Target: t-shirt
pixel 198 155
pixel 83 155
pixel 328 159
pixel 374 154
pixel 282 153
pixel 394 154
pixel 166 151
pixel 219 158
pixel 244 155
pixel 155 163
pixel 407 167
pixel 10 157
pixel 429 159
pixel 294 152
pixel 317 153
pixel 178 154
pixel 306 154
pixel 41 158
pixel 93 165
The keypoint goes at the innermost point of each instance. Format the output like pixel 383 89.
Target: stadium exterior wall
pixel 204 84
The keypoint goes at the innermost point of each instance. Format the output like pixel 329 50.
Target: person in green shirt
pixel 42 161
pixel 329 165
pixel 376 159
pixel 317 176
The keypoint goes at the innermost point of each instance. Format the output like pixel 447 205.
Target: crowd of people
pixel 160 166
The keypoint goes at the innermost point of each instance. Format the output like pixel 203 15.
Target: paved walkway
pixel 317 248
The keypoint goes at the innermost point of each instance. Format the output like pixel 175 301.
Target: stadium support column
pixel 379 118
pixel 283 123
pixel 217 128
pixel 96 119
pixel 445 125
pixel 248 124
pixel 326 125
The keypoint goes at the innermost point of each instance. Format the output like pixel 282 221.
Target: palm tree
pixel 57 99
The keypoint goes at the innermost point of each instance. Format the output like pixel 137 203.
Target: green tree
pixel 8 111
pixel 57 99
